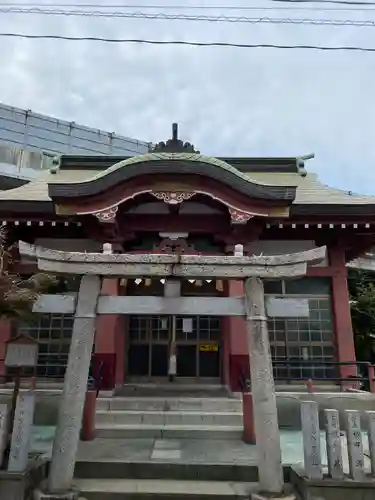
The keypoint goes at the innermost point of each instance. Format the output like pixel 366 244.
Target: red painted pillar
pixel 110 341
pixel 225 372
pixel 88 418
pixel 236 341
pixel 371 378
pixel 341 313
pixel 238 360
pixel 5 334
pixel 120 369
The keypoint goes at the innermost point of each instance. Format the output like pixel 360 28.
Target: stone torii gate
pixel 88 303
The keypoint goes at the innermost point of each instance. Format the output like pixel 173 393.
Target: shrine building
pixel 176 199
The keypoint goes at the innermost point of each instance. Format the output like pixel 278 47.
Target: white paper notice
pixel 187 325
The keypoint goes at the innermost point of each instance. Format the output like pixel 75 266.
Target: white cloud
pixel 227 101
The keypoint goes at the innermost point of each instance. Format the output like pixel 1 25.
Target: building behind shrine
pixel 29 140
pixel 174 198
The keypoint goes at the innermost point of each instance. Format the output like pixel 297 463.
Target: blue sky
pixel 227 101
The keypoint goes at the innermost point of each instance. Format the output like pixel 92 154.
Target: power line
pixel 190 43
pixel 190 7
pixel 340 2
pixel 185 17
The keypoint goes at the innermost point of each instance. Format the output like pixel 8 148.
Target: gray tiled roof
pixel 309 189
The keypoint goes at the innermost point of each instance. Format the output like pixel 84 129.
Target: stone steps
pixel 161 431
pixel 169 404
pixel 168 418
pixel 161 480
pixel 164 477
pixel 121 489
pixel 180 388
pixel 166 469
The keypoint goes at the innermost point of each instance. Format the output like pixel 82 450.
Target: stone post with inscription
pixel 311 440
pixel 355 445
pixel 371 438
pixel 334 448
pixel 267 432
pixel 21 352
pixel 21 434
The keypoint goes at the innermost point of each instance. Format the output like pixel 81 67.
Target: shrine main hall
pixel 175 199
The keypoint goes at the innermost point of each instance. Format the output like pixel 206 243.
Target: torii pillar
pixel 270 470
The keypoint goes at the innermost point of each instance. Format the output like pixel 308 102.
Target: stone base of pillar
pixel 67 495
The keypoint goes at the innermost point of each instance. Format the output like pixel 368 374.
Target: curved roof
pixel 173 163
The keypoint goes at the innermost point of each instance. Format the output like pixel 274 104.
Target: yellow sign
pixel 208 347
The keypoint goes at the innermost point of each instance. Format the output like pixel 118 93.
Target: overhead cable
pixel 326 48
pixel 186 17
pixel 295 7
pixel 340 2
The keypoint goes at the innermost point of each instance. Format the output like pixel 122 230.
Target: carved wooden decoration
pixel 173 197
pixel 239 217
pixel 179 245
pixel 107 215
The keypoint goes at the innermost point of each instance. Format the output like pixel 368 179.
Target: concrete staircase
pixel 169 418
pixel 119 470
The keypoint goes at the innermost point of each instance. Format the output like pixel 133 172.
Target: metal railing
pixel 292 371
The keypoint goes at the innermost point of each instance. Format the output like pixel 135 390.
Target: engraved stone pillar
pixel 334 448
pixel 355 445
pixel 311 440
pixel 371 438
pixel 263 388
pixel 21 434
pixel 75 384
pixel 3 430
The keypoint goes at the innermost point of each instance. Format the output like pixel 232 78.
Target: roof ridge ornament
pixel 173 145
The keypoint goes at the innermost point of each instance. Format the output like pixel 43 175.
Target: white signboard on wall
pixel 284 307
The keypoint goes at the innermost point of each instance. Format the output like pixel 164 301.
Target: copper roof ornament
pixel 174 145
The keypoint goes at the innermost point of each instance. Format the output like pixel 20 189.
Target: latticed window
pixel 54 333
pixel 158 328
pixel 307 339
